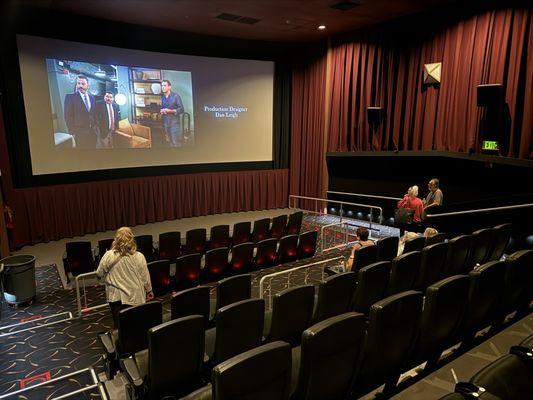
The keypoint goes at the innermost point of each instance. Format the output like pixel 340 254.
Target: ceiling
pixel 286 21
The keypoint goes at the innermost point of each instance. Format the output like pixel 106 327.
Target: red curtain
pixel 307 166
pixel 54 212
pixel 380 69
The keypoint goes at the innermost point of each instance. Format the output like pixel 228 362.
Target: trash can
pixel 18 279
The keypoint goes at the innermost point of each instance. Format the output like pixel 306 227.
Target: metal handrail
pixel 479 210
pixel 78 295
pixel 289 272
pixel 364 195
pixel 324 227
pixel 371 207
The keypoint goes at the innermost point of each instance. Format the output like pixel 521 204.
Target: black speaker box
pixel 374 114
pixel 490 95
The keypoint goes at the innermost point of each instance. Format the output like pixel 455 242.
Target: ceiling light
pixel 321 27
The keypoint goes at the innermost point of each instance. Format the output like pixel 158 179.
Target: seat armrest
pixel 129 366
pixel 107 343
pixel 204 393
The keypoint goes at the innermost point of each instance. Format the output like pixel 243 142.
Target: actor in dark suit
pixel 79 114
pixel 107 117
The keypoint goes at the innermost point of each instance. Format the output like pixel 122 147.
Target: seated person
pixel 435 196
pixel 361 235
pixel 430 232
pixel 405 238
pixel 411 200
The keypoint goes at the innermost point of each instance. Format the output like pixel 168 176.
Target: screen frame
pixel 112 34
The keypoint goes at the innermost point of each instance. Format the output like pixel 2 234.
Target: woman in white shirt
pixel 125 274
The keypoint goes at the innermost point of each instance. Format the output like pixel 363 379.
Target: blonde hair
pixel 413 190
pixel 124 242
pixel 409 236
pixel 430 232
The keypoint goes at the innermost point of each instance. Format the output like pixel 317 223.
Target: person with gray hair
pixel 411 201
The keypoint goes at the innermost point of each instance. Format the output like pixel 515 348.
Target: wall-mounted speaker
pixel 375 114
pixel 490 95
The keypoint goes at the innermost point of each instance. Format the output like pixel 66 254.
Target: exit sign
pixel 489 145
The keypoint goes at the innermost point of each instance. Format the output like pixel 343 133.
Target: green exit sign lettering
pixel 489 145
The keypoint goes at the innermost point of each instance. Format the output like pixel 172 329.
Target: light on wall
pixel 121 99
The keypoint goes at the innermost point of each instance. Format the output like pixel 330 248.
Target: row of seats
pixel 508 377
pixel 80 258
pixel 245 257
pixel 399 331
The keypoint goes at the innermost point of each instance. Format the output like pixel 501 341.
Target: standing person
pixel 411 200
pixel 171 108
pixel 435 196
pixel 107 118
pixel 79 114
pixel 125 274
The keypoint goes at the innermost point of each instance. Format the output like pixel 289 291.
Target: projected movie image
pixel 101 106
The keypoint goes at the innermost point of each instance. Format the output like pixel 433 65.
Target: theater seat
pixel 527 342
pixel 193 301
pixel 518 286
pixel 335 296
pixel 160 276
pixel 507 378
pixel 103 246
pixel 279 226
pixel 482 243
pixel 444 310
pixel 232 290
pixel 404 271
pixel 216 264
pixel 239 327
pixel 416 244
pixel 242 258
pixel 458 256
pixel 145 245
pixel 292 311
pixel 502 234
pixel 433 259
pixel 372 282
pixel 131 335
pixel 188 270
pixel 438 238
pixel 485 294
pixel 219 237
pixel 388 248
pixel 266 255
pixel 364 256
pixel 325 364
pixel 195 241
pixel 79 258
pixel 307 244
pixel 295 223
pixel 241 233
pixel 392 330
pixel 288 248
pixel 169 245
pixel 261 230
pixel 172 364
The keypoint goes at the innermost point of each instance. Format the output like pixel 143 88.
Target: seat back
pixel 241 233
pixel 176 355
pixel 219 236
pixel 404 272
pixel 79 257
pixel 416 244
pixel 482 242
pixel 263 373
pixel 372 282
pixel 307 244
pixel 518 291
pixel 502 234
pixel 239 327
pixel 216 263
pixel 444 309
pixel 431 265
pixel 261 230
pixel 103 246
pixel 169 245
pixel 335 296
pixel 388 248
pixel 438 238
pixel 193 301
pixel 292 311
pixel 364 256
pixel 242 257
pixel 485 294
pixel 266 255
pixel 295 223
pixel 288 248
pixel 458 255
pixel 279 226
pixel 509 377
pixel 234 289
pixel 160 276
pixel 330 354
pixel 133 326
pixel 392 331
pixel 188 270
pixel 195 241
pixel 145 245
